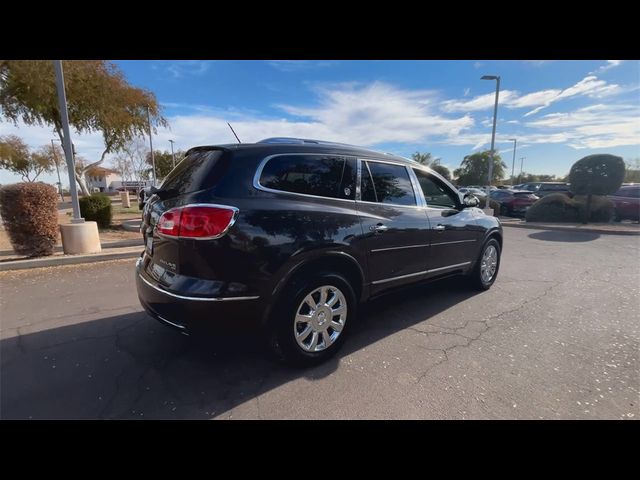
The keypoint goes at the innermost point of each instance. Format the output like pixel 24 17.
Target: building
pixel 101 179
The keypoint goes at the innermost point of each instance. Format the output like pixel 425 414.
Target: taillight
pixel 197 221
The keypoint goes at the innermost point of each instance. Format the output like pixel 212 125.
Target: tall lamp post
pixel 493 133
pixel 153 160
pixel 67 145
pixel 521 165
pixel 173 156
pixel 513 163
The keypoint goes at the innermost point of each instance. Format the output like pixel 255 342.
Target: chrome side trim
pixel 448 267
pixel 385 280
pixel 181 327
pixel 400 248
pixel 199 299
pixel 456 241
pixel 258 186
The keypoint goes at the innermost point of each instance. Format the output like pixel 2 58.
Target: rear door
pixel 455 235
pixel 395 224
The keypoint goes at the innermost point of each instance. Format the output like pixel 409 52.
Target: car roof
pixel 276 145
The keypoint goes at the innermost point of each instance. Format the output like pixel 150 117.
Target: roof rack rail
pixel 303 141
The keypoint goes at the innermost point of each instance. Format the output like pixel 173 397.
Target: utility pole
pixel 153 160
pixel 173 156
pixel 55 159
pixel 67 145
pixel 513 162
pixel 521 164
pixel 493 132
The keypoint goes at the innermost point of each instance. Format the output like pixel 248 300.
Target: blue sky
pixel 558 110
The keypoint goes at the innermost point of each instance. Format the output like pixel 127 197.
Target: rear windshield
pixel 524 195
pixel 197 171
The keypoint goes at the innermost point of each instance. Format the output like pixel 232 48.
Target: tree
pixel 596 175
pixel 434 163
pixel 164 161
pixel 474 169
pixel 99 100
pixel 16 157
pixel 131 161
pixel 525 177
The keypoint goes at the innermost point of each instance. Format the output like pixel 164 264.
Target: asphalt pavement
pixel 556 337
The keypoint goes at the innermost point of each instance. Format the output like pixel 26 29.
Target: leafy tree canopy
pixel 16 157
pixel 474 169
pixel 600 174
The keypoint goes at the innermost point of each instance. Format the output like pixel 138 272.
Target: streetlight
pixel 173 156
pixel 153 160
pixel 493 133
pixel 513 163
pixel 67 145
pixel 55 159
pixel 521 165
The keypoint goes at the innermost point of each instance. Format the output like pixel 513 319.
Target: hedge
pixel 30 216
pixel 558 207
pixel 96 208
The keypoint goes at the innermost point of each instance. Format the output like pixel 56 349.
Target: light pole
pixel 521 165
pixel 153 160
pixel 513 163
pixel 173 156
pixel 67 145
pixel 493 133
pixel 55 159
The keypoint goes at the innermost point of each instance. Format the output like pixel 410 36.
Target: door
pixel 394 223
pixel 455 235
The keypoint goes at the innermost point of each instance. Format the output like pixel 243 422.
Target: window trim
pixel 258 186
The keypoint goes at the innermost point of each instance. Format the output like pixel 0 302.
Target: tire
pixel 289 340
pixel 477 278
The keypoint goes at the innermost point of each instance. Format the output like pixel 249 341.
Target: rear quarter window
pixel 323 176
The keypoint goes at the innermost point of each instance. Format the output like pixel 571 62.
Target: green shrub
pixel 96 208
pixel 492 204
pixel 558 207
pixel 30 215
pixel 600 174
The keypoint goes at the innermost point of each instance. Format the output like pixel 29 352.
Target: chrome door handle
pixel 379 228
pixel 439 228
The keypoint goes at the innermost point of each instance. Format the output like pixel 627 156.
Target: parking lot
pixel 556 337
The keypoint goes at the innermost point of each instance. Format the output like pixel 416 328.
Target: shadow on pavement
pixel 131 367
pixel 563 236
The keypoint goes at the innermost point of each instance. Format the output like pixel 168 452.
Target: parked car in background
pixel 289 236
pixel 627 203
pixel 514 202
pixel 542 189
pixel 481 194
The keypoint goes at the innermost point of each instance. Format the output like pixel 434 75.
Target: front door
pixel 396 228
pixel 455 235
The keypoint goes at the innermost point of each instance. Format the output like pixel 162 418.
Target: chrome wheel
pixel 320 318
pixel 489 263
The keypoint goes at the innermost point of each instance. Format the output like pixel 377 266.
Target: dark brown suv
pixel 297 233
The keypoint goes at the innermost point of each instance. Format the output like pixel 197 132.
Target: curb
pixel 117 244
pixel 69 259
pixel 131 225
pixel 533 226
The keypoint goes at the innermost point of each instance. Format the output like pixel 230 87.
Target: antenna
pixel 234 133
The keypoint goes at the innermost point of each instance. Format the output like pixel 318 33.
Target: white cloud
pixel 184 68
pixel 608 66
pixel 478 65
pixel 297 65
pixel 537 63
pixel 481 102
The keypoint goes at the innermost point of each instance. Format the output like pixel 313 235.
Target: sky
pixel 559 111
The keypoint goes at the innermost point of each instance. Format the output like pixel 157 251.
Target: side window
pixel 435 194
pixel 328 176
pixel 387 183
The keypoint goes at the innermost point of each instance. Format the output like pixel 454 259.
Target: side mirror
pixel 469 200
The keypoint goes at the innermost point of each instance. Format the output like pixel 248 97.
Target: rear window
pixel 329 176
pixel 554 187
pixel 197 171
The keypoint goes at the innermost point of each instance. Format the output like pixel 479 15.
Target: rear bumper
pixel 193 314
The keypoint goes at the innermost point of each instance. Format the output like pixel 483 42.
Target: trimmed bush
pixel 492 204
pixel 30 216
pixel 558 207
pixel 96 208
